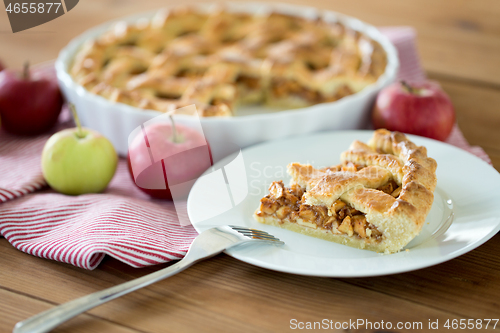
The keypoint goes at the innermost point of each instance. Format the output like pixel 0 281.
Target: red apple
pixel 166 158
pixel 29 105
pixel 422 109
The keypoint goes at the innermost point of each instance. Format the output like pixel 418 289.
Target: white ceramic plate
pixel 465 213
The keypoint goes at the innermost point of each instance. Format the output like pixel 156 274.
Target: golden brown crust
pixel 333 185
pixel 390 181
pixel 305 175
pixel 419 170
pixel 183 56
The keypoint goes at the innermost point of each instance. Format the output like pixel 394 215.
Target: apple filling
pixel 192 73
pixel 282 88
pixel 286 204
pixel 343 91
pixel 346 166
pixel 391 188
pixel 250 82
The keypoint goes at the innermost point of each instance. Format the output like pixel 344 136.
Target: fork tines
pixel 255 234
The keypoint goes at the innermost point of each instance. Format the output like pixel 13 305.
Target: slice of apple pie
pixel 376 199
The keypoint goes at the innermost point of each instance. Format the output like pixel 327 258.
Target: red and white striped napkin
pixel 122 222
pixel 404 39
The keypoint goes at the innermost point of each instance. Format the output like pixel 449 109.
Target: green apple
pixel 78 160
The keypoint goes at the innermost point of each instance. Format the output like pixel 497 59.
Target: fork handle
pixel 49 319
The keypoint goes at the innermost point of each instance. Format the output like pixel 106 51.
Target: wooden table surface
pixel 459 44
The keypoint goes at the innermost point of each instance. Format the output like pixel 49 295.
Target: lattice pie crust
pixel 219 60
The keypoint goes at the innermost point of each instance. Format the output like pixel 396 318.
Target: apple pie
pixel 377 198
pixel 223 59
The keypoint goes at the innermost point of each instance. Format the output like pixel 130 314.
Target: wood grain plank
pixel 477 111
pixel 145 310
pixel 467 286
pixel 219 295
pixel 456 38
pixel 478 115
pixel 16 307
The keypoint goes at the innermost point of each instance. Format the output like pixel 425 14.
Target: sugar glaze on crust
pixel 377 199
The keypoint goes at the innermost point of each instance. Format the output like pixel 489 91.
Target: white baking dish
pixel 116 121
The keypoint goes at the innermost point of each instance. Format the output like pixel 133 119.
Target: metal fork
pixel 209 243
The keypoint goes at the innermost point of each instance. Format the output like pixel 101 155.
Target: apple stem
pixel 175 137
pixel 79 133
pixel 26 70
pixel 408 87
